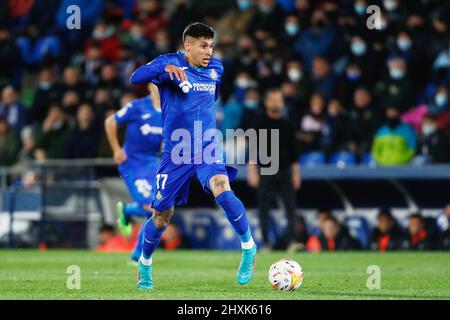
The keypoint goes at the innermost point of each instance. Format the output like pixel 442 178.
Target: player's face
pixel 199 50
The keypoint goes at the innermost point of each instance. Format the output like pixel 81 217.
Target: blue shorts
pixel 139 179
pixel 172 181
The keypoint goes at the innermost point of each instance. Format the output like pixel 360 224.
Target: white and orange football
pixel 286 275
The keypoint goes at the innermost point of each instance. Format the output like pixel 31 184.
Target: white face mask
pixel 294 75
pixel 243 83
pixel 390 5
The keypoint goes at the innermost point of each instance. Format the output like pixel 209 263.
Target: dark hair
pixel 198 30
pixel 416 215
pixel 386 212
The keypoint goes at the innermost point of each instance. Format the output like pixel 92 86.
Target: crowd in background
pixel 382 92
pixel 418 232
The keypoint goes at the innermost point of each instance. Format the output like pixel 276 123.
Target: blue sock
pixel 134 209
pixel 138 249
pixel 235 212
pixel 152 236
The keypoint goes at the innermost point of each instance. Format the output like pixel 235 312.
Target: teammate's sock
pixel 138 248
pixel 152 236
pixel 134 209
pixel 235 212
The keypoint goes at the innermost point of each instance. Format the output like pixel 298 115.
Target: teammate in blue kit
pixel 188 82
pixel 138 159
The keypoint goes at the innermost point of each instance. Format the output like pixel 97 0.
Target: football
pixel 286 275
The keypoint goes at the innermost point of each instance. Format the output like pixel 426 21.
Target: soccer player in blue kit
pixel 188 82
pixel 138 159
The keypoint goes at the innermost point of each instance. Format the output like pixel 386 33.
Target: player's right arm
pixel 127 114
pixel 154 70
pixel 111 129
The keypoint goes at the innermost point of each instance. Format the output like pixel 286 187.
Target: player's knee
pixel 161 219
pixel 219 184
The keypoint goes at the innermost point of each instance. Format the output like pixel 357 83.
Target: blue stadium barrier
pixel 343 158
pixel 312 159
pixel 203 232
pixel 359 229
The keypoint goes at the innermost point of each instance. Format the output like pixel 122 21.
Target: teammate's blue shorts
pixel 139 178
pixel 173 180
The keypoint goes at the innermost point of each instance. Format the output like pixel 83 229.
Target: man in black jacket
pixel 287 180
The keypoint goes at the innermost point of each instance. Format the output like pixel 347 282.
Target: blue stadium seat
pixel 312 159
pixel 343 158
pixel 359 229
pixel 368 160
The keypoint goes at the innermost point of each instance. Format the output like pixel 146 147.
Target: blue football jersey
pixel 144 131
pixel 188 105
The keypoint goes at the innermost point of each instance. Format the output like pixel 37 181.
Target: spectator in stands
pixel 140 45
pixel 387 235
pixel 70 103
pixel 26 153
pixel 296 74
pixel 251 109
pixel 9 143
pixel 110 81
pixel 104 34
pixel 312 125
pixel 316 40
pixel 92 64
pixel 110 241
pixel 322 215
pixel 39 46
pixel 9 59
pixel 439 101
pixel 363 121
pixel 103 102
pixel 418 238
pixel 55 132
pixel 161 44
pixel 443 220
pixel 395 142
pixel 350 81
pixel 397 90
pixel 71 81
pixel 48 91
pixel 441 67
pixel 443 223
pixel 152 17
pixel 173 239
pixel 287 179
pixel 84 138
pixel 268 17
pixel 323 78
pixel 335 134
pixel 334 236
pixel 12 109
pixel 433 144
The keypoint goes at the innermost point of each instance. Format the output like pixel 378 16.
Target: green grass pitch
pixel 29 274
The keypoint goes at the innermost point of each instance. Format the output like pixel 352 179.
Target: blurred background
pixel 369 107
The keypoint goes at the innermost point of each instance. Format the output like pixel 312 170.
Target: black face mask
pixel 393 122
